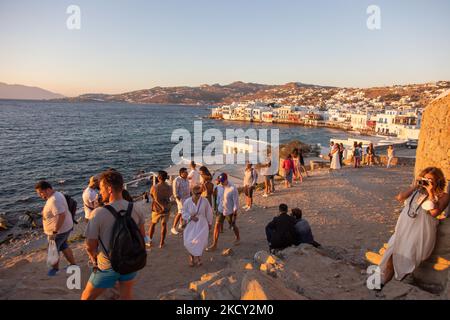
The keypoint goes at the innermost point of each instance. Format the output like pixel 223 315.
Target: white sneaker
pixel 248 208
pixel 148 242
pixel 174 231
pixel 265 195
pixel 245 207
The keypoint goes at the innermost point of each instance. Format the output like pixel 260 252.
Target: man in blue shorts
pixel 98 237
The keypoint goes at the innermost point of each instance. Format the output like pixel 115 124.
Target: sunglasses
pixel 197 193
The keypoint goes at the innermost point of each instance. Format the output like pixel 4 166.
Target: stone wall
pixel 434 150
pixel 434 139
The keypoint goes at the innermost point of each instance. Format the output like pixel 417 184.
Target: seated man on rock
pixel 280 232
pixel 302 229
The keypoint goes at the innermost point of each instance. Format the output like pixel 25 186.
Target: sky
pixel 130 45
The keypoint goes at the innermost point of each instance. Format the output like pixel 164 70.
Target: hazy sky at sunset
pixel 130 45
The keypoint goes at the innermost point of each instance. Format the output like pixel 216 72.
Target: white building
pixel 386 122
pixel 267 116
pixel 227 111
pixel 359 121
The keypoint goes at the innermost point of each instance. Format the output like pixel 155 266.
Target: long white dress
pixel 414 238
pixel 335 164
pixel 196 234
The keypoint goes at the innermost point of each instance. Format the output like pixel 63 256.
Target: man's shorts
pixel 220 218
pixel 156 217
pixel 180 205
pixel 61 241
pixel 248 191
pixel 104 279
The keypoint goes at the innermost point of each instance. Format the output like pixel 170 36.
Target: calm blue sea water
pixel 72 141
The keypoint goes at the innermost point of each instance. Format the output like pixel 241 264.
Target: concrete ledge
pixel 317 164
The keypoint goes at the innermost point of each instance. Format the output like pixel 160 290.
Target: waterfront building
pixel 359 121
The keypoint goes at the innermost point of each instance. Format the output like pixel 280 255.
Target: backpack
pixel 72 205
pixel 127 251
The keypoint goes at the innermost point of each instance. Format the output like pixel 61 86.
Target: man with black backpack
pixel 115 241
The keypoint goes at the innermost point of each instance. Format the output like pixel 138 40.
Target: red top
pixel 288 164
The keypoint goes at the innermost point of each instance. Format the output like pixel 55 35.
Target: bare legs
pixel 267 186
pixel 151 231
pixel 298 174
pixel 125 288
pixel 388 273
pixel 217 229
pixel 249 201
pixel 68 254
pixel 176 221
pixel 193 263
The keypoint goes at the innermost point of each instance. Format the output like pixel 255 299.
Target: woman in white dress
pixel 197 213
pixel 335 154
pixel 415 233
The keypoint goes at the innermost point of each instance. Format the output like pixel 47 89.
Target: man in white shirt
pixel 193 176
pixel 57 221
pixel 90 197
pixel 181 192
pixel 227 203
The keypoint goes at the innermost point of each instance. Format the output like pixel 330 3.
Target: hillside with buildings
pixel 390 111
pixel 294 93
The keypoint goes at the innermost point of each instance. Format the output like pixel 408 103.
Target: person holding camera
pixel 415 233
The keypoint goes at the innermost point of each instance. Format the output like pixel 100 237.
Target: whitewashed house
pixel 359 121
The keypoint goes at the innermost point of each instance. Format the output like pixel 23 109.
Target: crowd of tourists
pixel 357 156
pixel 117 242
pixel 116 239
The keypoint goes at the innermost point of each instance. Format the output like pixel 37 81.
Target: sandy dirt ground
pixel 354 209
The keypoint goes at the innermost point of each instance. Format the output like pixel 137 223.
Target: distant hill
pixel 204 94
pixel 292 93
pixel 17 91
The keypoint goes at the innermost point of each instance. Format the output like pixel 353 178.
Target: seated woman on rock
pixel 415 233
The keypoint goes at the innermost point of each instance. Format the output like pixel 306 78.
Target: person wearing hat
pixel 90 197
pixel 227 205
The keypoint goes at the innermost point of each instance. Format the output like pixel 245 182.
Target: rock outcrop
pixel 296 273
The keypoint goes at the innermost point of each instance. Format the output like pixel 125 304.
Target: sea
pixel 66 143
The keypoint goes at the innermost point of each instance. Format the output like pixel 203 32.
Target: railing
pixel 144 176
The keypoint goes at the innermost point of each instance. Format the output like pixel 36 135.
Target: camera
pixel 423 182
